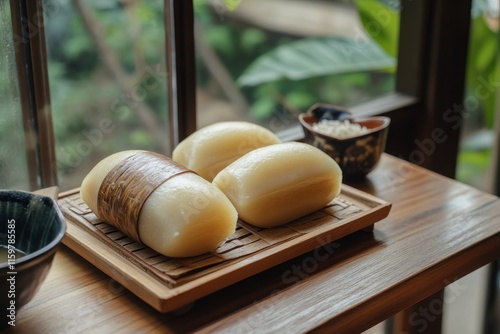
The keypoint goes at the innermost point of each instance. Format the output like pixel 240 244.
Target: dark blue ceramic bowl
pixel 33 225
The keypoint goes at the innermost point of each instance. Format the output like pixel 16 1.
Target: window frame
pixel 179 21
pixel 31 60
pixel 434 39
pixel 432 53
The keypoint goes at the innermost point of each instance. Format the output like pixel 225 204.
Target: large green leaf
pixel 313 57
pixel 381 22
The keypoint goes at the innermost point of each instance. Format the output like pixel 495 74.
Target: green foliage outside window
pixel 276 73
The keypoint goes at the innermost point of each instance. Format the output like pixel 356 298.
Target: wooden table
pixel 438 231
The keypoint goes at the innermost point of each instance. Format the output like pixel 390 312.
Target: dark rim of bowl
pixel 386 121
pixel 57 239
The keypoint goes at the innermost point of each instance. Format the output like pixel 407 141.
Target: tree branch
pixel 113 66
pixel 220 73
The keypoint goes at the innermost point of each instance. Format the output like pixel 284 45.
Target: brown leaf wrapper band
pixel 129 184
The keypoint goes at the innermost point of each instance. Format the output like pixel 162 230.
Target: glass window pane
pixel 480 104
pixel 13 160
pixel 107 79
pixel 266 61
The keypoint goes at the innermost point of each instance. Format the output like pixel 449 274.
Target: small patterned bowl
pixel 356 156
pixel 33 225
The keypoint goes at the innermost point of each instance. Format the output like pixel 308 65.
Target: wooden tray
pixel 168 284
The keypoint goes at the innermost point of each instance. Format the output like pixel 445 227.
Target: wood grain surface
pixel 438 231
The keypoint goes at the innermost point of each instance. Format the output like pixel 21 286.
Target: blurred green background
pixel 263 61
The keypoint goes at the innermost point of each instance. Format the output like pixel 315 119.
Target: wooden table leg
pixel 423 318
pixel 492 311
